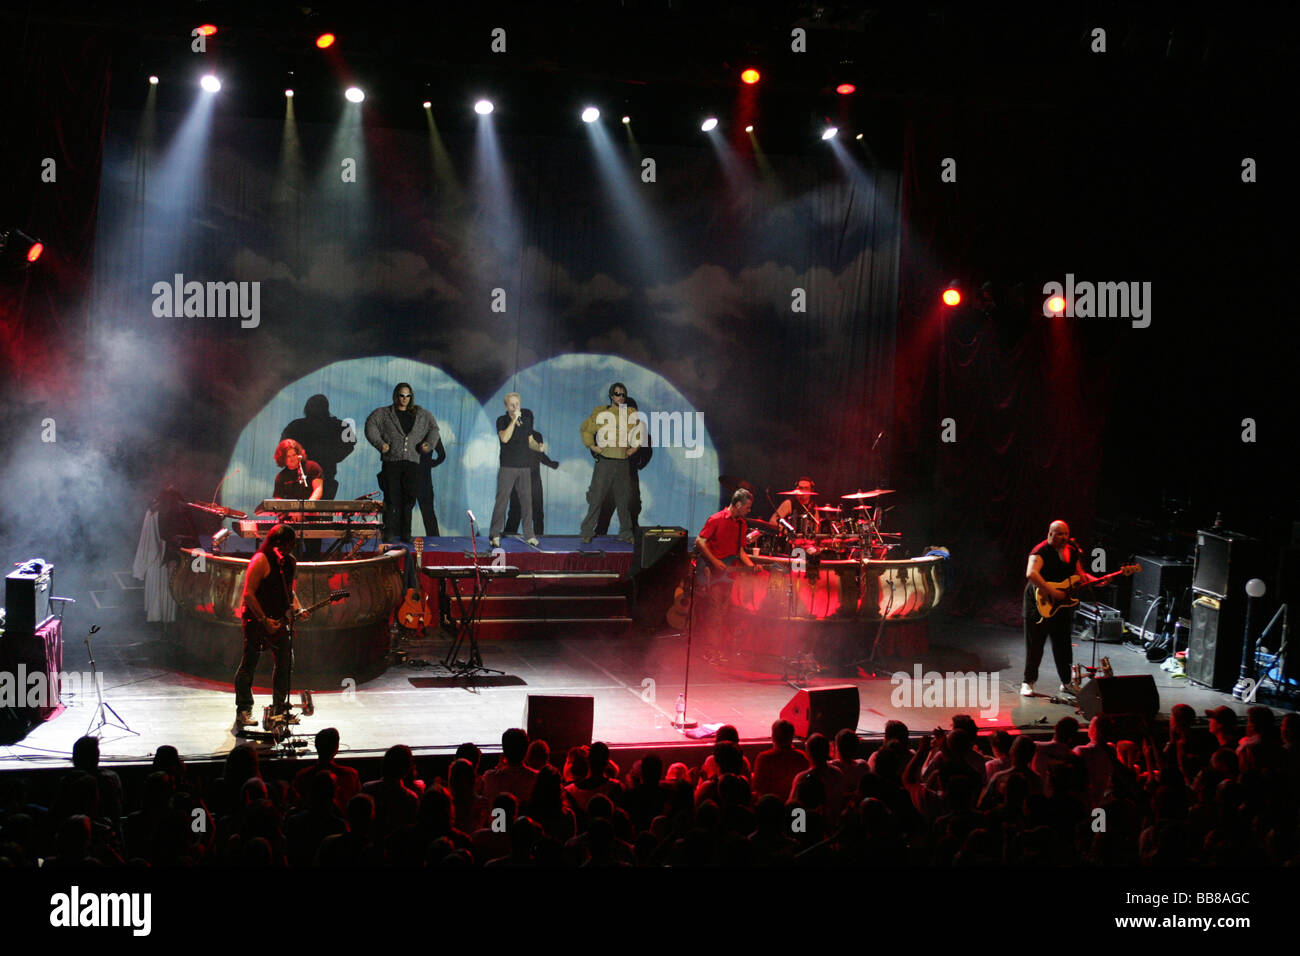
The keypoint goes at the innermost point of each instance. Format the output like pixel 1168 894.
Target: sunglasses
pixel 620 394
pixel 403 396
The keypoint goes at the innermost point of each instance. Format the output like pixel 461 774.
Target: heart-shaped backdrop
pixel 679 486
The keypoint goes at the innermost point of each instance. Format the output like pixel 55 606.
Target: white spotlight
pixel 749 129
pixel 483 107
pixel 590 114
pixel 829 132
pixel 153 81
pixel 709 124
pixel 211 83
pixel 288 94
pixel 627 120
pixel 427 104
pixel 354 94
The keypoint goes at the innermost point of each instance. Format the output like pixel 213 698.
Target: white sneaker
pixel 1026 689
pixel 495 542
pixel 533 542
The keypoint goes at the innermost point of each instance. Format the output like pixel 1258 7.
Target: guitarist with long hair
pixel 268 596
pixel 1056 559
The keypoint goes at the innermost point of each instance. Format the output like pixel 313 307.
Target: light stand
pixel 1246 677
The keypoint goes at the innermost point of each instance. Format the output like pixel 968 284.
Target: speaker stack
pixel 1159 574
pixel 823 710
pixel 1225 561
pixel 658 564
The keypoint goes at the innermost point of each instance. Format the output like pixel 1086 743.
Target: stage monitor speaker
pixel 563 722
pixel 1158 574
pixel 651 546
pixel 28 590
pixel 823 710
pixel 1133 694
pixel 1214 647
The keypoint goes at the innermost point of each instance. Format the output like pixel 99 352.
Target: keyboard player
pixel 298 478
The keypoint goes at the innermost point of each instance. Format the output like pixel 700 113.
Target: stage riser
pixel 516 630
pixel 537 606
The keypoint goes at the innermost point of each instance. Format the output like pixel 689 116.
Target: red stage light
pixel 325 40
pixel 844 89
pixel 35 251
pixel 207 30
pixel 1056 304
pixel 951 297
pixel 750 76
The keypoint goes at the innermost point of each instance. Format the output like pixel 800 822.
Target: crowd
pixel 1113 793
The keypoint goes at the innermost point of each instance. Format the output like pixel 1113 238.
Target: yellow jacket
pixel 613 431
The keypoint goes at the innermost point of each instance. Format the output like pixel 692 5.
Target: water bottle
pixel 681 708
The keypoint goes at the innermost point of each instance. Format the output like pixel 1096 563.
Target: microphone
pixel 877 441
pixel 472 520
pixel 301 474
pixel 278 553
pixel 787 525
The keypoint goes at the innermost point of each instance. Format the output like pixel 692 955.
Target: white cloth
pixel 149 567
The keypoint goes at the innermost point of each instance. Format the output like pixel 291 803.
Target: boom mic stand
pixel 100 721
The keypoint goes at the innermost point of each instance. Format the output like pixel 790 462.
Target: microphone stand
pixel 98 722
pixel 680 722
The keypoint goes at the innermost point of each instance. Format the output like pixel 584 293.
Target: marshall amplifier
pixel 28 590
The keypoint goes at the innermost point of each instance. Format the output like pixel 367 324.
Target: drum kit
pixel 852 530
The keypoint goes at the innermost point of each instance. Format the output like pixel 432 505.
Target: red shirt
pixel 724 534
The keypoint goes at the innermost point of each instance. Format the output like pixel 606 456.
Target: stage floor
pixel 634 679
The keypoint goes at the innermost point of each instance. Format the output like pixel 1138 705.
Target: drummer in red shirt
pixel 723 536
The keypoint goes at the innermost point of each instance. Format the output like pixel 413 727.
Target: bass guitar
pixel 1074 583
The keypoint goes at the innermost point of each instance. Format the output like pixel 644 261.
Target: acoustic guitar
pixel 416 613
pixel 1071 585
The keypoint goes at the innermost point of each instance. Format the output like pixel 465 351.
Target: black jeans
pixel 401 491
pixel 281 646
pixel 1057 628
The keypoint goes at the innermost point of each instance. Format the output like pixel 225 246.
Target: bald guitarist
pixel 1056 559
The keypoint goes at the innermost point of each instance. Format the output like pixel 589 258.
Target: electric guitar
pixel 270 637
pixel 1047 607
pixel 415 613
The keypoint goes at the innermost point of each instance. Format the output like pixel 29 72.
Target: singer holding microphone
pixel 515 430
pixel 268 597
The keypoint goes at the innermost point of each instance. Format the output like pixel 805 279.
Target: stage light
pixel 750 76
pixel 627 120
pixel 844 89
pixel 1056 305
pixel 749 129
pixel 288 94
pixel 354 94
pixel 709 124
pixel 483 107
pixel 153 81
pixel 211 83
pixel 325 41
pixel 19 250
pixel 207 30
pixel 427 104
pixel 952 295
pixel 829 132
pixel 590 114
pixel 859 136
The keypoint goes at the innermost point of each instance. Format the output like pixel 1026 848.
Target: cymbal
pixel 799 494
pixel 760 524
pixel 221 510
pixel 874 493
pixel 831 509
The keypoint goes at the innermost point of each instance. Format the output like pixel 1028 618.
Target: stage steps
pixel 551 604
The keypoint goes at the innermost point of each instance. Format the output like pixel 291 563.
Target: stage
pixel 634 675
